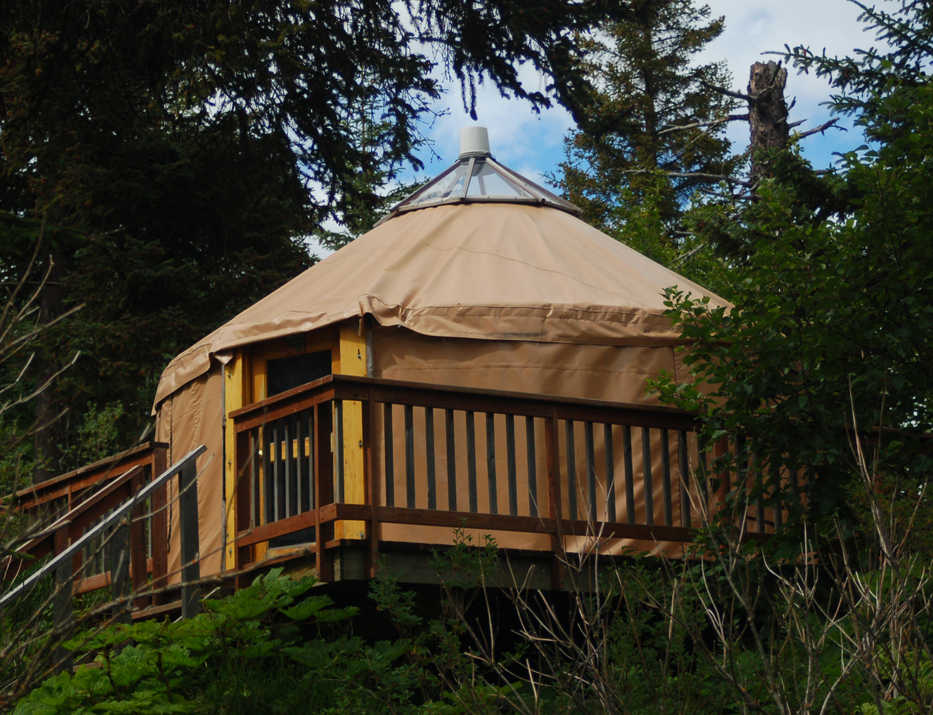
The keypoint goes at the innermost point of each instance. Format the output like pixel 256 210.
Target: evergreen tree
pixel 626 165
pixel 180 151
pixel 832 324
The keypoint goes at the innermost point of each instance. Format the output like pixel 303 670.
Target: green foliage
pixel 98 434
pixel 467 565
pixel 832 320
pixel 272 647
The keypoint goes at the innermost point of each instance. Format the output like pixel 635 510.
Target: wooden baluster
pixel 300 496
pixel 118 553
pixel 286 469
pixel 491 463
pixel 530 455
pixel 64 579
pixel 64 584
pixel 666 478
pixel 273 510
pixel 158 527
pixel 646 468
pixel 590 468
pixel 323 485
pixel 610 474
pixel 409 457
pixel 571 470
pixel 138 520
pixel 629 474
pixel 684 479
pixel 451 460
pixel 429 456
pixel 388 447
pixel 254 457
pixel 510 463
pixel 312 461
pixel 471 460
pixel 553 481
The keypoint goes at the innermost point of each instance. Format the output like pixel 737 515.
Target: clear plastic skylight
pixel 477 177
pixel 487 183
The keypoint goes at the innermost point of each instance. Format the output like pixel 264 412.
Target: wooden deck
pixel 549 471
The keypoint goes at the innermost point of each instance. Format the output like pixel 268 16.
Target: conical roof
pixel 491 270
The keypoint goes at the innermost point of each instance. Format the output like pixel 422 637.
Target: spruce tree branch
pixel 712 123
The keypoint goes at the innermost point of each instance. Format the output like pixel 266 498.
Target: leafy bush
pixel 271 647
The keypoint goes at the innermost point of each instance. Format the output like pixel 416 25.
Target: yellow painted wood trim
pixel 352 361
pixel 236 391
pixel 258 382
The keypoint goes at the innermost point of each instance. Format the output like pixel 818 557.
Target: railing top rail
pixel 352 387
pixel 113 459
pixel 309 388
pixel 85 504
pixel 105 522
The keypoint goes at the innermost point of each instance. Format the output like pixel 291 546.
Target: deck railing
pixel 456 457
pixel 347 458
pixel 128 554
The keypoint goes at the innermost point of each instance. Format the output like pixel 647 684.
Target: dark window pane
pixel 286 373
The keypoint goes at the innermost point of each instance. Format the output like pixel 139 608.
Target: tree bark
pixel 48 407
pixel 767 113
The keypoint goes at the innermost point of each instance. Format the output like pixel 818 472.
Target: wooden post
pixel 118 553
pixel 138 569
pixel 323 485
pixel 158 526
pixel 64 578
pixel 190 549
pixel 235 390
pixel 372 482
pixel 352 360
pixel 553 483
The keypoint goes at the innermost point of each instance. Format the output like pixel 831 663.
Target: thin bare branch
pixel 698 125
pixel 832 123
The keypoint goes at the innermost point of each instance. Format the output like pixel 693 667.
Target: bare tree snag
pixel 767 111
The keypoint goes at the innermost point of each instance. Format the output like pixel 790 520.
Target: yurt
pixel 483 289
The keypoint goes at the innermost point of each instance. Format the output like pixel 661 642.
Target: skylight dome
pixel 475 178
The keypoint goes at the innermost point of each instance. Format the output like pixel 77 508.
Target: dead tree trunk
pixel 47 439
pixel 767 113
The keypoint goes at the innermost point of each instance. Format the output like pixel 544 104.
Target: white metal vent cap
pixel 474 141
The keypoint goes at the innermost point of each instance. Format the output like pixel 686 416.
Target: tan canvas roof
pixel 493 271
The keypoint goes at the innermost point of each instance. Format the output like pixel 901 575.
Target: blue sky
pixel 532 144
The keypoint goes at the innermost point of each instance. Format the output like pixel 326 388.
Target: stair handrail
pixel 116 514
